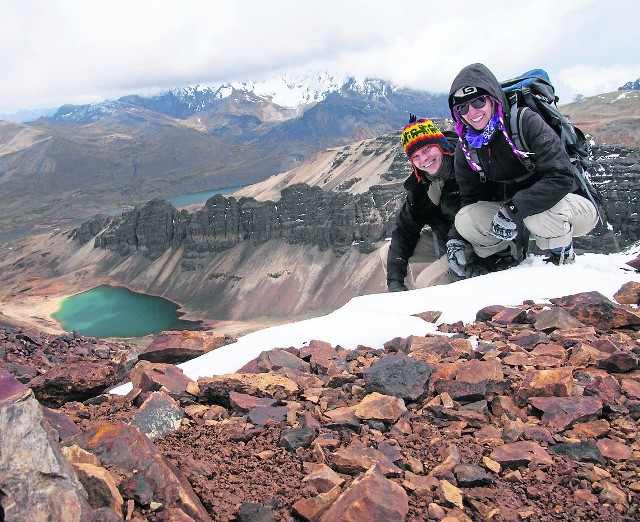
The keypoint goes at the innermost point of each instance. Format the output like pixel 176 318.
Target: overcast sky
pixel 81 51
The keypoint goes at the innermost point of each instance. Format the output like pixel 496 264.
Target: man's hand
pixel 456 257
pixel 503 227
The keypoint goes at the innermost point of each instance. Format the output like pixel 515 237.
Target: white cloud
pixel 372 320
pixel 74 51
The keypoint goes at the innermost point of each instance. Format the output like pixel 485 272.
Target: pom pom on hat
pixel 421 133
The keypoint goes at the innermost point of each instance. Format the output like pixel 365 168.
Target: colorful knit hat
pixel 421 133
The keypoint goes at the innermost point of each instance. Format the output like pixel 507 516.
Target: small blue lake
pixel 115 311
pixel 184 200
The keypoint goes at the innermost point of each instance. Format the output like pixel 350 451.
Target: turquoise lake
pixel 184 200
pixel 115 311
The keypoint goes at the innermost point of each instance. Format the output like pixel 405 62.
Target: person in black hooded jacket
pixel 502 203
pixel 427 215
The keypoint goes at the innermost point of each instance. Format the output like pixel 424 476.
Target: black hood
pixel 478 75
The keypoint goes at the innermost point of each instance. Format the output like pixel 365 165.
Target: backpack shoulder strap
pixel 515 128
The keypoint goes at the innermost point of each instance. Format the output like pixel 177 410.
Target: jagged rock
pixel 629 293
pixel 377 406
pixel 594 309
pixel 370 497
pixel 149 377
pixel 178 347
pixel 430 348
pixel 562 412
pixel 555 318
pixel 323 478
pixel 217 389
pixel 124 448
pixel 613 449
pixel 584 451
pixel 61 423
pixel 545 383
pixel 620 362
pixel 398 375
pixel 356 458
pixel 263 415
pixel 243 402
pixel 311 509
pixel 100 486
pixel 253 512
pixel 77 382
pixel 280 358
pixel 158 416
pixel 444 470
pixel 471 476
pixel 321 355
pixel 521 454
pixel 450 493
pixel 36 481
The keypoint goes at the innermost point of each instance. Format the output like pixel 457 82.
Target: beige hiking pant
pixel 429 269
pixel 573 216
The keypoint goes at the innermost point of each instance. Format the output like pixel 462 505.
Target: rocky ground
pixel 528 414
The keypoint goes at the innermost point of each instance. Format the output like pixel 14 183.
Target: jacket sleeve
pixel 404 239
pixel 416 212
pixel 552 165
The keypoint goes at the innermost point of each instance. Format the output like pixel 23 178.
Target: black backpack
pixel 533 90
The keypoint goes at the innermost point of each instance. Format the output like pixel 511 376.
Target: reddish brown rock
pixel 217 389
pixel 323 478
pixel 631 388
pixel 177 347
pixel 629 293
pixel 521 454
pixel 78 382
pixel 321 355
pixel 561 412
pixel 594 309
pixel 311 509
pixel 380 407
pixel 613 449
pixel 357 457
pixel 273 360
pixel 151 377
pixel 545 383
pixel 371 497
pixel 123 447
pixel 430 317
pixel 555 318
pixel 621 361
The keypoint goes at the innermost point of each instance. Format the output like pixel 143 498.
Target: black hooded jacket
pixel 417 211
pixel 552 179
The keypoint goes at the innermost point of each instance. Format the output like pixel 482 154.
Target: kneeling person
pixel 429 209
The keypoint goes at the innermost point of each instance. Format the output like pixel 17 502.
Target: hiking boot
pixel 561 256
pixel 502 260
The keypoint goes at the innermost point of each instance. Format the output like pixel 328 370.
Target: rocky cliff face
pixel 303 215
pixel 330 219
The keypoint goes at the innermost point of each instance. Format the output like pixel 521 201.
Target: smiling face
pixel 428 158
pixel 479 117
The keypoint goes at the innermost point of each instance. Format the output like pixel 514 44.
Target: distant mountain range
pixel 89 158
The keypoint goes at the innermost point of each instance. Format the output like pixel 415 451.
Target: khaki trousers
pixel 573 216
pixel 430 270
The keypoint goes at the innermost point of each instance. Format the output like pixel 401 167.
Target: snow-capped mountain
pixel 288 93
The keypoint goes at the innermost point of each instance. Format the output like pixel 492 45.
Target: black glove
pixel 456 257
pixel 503 227
pixel 396 286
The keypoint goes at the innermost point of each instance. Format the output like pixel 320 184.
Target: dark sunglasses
pixel 476 103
